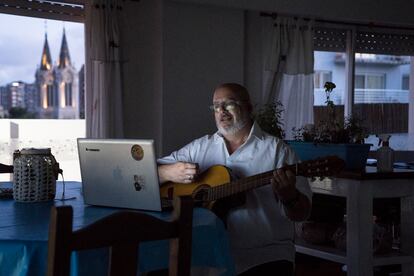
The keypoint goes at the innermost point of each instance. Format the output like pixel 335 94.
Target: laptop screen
pixel 119 173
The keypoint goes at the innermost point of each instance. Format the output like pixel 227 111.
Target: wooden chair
pixel 6 168
pixel 122 232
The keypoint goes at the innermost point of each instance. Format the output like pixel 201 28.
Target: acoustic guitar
pixel 216 183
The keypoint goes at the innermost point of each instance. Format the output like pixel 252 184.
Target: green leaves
pixel 332 130
pixel 269 118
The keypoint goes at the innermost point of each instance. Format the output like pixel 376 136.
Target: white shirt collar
pixel 255 132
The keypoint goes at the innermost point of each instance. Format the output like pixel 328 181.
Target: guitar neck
pixel 320 167
pixel 243 185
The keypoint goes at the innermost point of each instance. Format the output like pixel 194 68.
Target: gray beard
pixel 232 130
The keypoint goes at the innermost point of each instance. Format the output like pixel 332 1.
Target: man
pixel 261 231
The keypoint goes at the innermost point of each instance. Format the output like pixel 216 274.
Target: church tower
pixel 45 83
pixel 66 83
pixel 58 84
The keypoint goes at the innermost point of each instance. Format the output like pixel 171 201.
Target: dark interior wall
pixel 397 12
pixel 176 53
pixel 142 50
pixel 255 31
pixel 202 47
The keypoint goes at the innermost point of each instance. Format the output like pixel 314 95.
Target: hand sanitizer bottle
pixel 385 155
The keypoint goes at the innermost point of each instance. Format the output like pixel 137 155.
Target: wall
pixel 142 41
pixel 255 30
pixel 397 12
pixel 202 47
pixel 176 53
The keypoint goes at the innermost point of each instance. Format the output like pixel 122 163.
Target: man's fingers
pixel 188 175
pixel 282 176
pixel 191 172
pixel 190 166
pixel 290 174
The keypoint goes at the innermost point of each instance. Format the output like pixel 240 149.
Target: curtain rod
pixel 367 25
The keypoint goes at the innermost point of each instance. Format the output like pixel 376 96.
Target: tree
pixel 20 113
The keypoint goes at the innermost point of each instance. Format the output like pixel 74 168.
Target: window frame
pixel 66 10
pixel 345 37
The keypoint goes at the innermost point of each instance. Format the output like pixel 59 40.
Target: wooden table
pixel 359 189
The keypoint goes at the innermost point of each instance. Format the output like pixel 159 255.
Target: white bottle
pixel 385 155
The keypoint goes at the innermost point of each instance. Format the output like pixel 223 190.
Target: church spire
pixel 46 61
pixel 64 57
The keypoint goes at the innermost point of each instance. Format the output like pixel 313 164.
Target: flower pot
pixel 354 155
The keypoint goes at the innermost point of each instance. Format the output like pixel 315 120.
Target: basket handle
pixel 56 169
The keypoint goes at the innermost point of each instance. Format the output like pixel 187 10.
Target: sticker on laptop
pixel 138 182
pixel 137 152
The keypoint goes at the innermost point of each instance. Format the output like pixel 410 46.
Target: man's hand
pixel 180 172
pixel 284 184
pixel 297 205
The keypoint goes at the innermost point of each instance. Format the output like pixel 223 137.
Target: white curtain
pixel 104 117
pixel 288 72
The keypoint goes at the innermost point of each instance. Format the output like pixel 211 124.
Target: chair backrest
pixel 6 168
pixel 121 232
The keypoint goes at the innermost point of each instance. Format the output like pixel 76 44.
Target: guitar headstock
pixel 320 167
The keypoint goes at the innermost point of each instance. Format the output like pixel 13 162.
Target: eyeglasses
pixel 228 106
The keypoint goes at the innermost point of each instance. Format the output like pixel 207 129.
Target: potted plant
pixel 333 137
pixel 269 119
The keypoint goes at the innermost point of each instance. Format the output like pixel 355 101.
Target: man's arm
pixel 180 172
pixel 297 205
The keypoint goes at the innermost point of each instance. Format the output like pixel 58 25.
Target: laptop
pixel 119 173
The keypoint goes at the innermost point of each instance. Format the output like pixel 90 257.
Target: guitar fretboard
pixel 245 184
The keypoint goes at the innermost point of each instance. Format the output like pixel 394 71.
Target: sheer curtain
pixel 288 72
pixel 104 117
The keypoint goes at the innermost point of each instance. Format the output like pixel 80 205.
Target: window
pixel 41 93
pixel 382 63
pixel 50 95
pixel 68 94
pixel 370 81
pixel 328 66
pixel 369 88
pixel 320 77
pixel 405 83
pixel 378 97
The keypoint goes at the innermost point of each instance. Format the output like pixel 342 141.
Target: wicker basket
pixel 35 174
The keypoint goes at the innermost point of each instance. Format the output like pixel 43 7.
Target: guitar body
pixel 214 176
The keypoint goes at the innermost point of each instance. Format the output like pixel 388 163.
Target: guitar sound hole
pixel 200 195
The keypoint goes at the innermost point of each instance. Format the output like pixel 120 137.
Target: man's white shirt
pixel 259 231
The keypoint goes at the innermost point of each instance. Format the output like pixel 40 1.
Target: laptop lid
pixel 119 173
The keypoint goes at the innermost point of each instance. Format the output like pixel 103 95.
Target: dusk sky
pixel 21 45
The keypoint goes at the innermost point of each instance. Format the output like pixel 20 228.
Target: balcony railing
pixel 374 59
pixel 363 96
